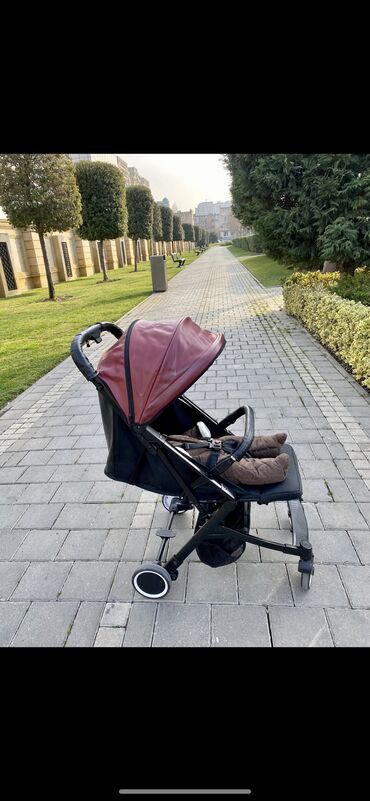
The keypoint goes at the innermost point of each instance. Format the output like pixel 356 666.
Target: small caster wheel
pixel 306 579
pixel 151 581
pixel 167 499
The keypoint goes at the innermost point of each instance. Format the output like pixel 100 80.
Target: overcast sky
pixel 185 178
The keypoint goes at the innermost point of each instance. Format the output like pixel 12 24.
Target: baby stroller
pixel 141 380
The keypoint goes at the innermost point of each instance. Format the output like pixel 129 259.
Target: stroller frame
pixel 153 580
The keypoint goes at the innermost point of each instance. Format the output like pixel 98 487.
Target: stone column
pixel 129 250
pixel 84 258
pixel 144 249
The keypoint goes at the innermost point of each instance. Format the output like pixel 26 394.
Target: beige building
pixel 187 216
pixel 131 175
pixel 218 217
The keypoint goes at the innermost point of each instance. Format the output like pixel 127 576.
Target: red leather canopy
pixel 163 360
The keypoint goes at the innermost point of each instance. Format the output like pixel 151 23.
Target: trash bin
pixel 159 275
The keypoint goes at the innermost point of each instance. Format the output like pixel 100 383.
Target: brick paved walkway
pixel 70 538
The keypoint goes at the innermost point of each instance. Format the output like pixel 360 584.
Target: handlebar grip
pixel 93 332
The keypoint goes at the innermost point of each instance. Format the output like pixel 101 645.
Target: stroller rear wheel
pixel 174 504
pixel 151 581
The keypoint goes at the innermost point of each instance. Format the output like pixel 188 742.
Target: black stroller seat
pixel 141 380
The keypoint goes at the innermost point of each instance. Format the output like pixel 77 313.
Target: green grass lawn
pixel 266 270
pixel 36 336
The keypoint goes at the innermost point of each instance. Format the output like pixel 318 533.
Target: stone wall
pixel 22 265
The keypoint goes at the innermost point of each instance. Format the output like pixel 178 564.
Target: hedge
pixel 250 243
pixel 342 325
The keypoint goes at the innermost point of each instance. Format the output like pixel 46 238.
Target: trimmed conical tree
pixel 178 231
pixel 167 223
pixel 39 191
pixel 140 214
pixel 104 213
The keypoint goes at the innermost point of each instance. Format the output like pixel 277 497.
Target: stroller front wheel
pixel 151 581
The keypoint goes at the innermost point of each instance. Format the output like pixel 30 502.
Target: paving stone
pixel 263 516
pixel 365 511
pixel 361 542
pixel 79 472
pixel 93 456
pixel 122 588
pixel 319 468
pixel 263 584
pixel 45 625
pixel 40 515
pixel 326 588
pixel 64 456
pixel 105 491
pixel 208 585
pixel 181 625
pixel 358 489
pixel 341 515
pixel 139 629
pixel 59 443
pixel 36 474
pixel 37 493
pixel 299 628
pixel 109 638
pixel 40 544
pixel 333 547
pixel 10 540
pixel 42 581
pixel 114 544
pixel 10 575
pixel 115 614
pixel 239 626
pixel 339 490
pixel 10 494
pixel 72 492
pixel 88 581
pixel 350 628
pixel 11 615
pixel 83 544
pixel 35 458
pixel 85 625
pixel 357 583
pixel 346 468
pixel 315 489
pixel 96 515
pixel 134 547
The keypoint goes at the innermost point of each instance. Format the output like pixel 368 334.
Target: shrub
pixel 340 324
pixel 250 243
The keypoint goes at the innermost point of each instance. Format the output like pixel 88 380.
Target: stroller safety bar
pixel 242 449
pixel 93 332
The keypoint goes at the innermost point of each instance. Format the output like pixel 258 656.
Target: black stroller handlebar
pixel 93 332
pixel 249 422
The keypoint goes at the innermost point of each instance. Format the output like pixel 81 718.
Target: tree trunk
pixel 135 249
pixel 47 267
pixel 102 258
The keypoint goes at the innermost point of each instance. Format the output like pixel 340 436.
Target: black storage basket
pixel 220 549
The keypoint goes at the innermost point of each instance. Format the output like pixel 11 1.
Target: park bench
pixel 176 260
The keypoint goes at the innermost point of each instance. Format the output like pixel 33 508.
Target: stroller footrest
pixel 165 533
